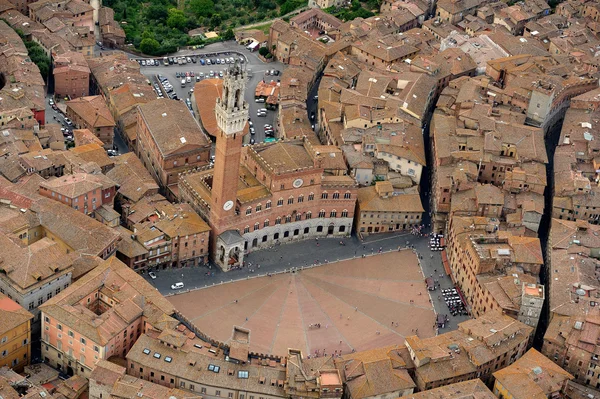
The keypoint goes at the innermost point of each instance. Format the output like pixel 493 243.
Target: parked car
pixel 252 140
pixel 152 275
pixel 177 286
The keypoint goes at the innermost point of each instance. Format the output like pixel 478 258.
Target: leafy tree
pixel 215 20
pixel 202 8
pixel 157 12
pixel 263 51
pixel 149 46
pixel 229 35
pixel 176 19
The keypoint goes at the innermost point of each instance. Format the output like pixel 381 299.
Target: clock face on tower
pixel 228 205
pixel 297 183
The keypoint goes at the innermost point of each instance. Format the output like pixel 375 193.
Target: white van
pixel 183 82
pixel 177 286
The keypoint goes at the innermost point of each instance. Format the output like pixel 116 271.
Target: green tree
pixel 157 12
pixel 263 51
pixel 176 19
pixel 149 46
pixel 215 20
pixel 229 35
pixel 202 8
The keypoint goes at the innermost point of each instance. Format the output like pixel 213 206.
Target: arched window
pixel 300 198
pixel 248 211
pixel 291 200
pixel 347 195
pixel 308 215
pixel 336 195
pixel 258 207
pixel 324 195
pixel 345 213
pixel 333 214
pixel 256 226
pixel 280 202
pixel 246 229
pixel 266 223
pixel 322 213
pixel 268 205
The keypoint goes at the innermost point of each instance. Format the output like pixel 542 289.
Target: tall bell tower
pixel 232 115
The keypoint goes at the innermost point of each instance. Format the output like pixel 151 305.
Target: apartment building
pixel 476 350
pixel 479 258
pixel 49 270
pixel 101 315
pixel 109 380
pixel 381 209
pixel 467 389
pixel 164 154
pixel 176 361
pixel 531 376
pixel 71 75
pixel 81 191
pixel 92 113
pixel 382 372
pixel 15 330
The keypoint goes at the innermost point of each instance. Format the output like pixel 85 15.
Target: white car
pixel 152 275
pixel 177 286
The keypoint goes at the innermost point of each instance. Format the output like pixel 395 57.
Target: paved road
pixel 286 256
pixel 53 116
pixel 253 64
pixel 270 21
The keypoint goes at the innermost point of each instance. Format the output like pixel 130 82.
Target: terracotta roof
pixel 26 267
pixel 76 230
pixel 171 126
pixel 472 389
pixel 132 177
pixel 73 186
pixel 132 294
pixel 12 315
pixel 533 376
pixel 369 200
pixel 93 110
pixel 380 371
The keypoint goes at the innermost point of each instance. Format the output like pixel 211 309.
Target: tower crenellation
pixel 231 109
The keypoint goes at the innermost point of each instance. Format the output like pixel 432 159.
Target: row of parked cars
pixel 67 125
pixel 204 59
pixel 167 86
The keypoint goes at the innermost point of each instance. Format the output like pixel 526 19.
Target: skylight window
pixel 157 355
pixel 168 359
pixel 146 351
pixel 242 374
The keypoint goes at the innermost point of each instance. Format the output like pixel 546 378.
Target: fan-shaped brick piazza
pixel 355 301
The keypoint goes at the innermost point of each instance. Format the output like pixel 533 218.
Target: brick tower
pixel 232 115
